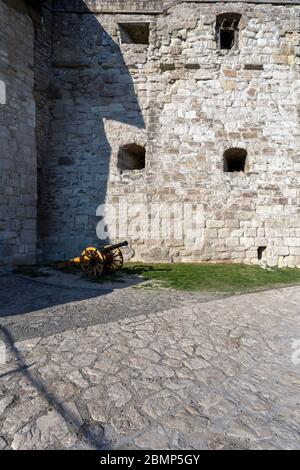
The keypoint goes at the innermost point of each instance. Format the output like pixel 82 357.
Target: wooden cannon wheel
pixel 113 261
pixel 92 262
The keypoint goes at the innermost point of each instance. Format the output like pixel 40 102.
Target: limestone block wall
pixel 214 100
pixel 18 169
pixel 186 102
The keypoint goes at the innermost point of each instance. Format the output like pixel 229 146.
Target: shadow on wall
pixel 90 82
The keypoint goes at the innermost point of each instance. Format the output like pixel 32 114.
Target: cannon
pixel 94 262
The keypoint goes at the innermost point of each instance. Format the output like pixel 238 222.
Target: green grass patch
pixel 230 278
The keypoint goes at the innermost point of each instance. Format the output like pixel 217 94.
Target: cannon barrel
pixel 114 247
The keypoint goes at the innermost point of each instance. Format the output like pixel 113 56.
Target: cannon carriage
pixel 96 262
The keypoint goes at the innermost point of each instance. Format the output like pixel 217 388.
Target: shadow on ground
pixel 21 295
pixel 89 436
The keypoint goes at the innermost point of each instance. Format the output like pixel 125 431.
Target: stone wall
pixel 246 98
pixel 43 94
pixel 91 84
pixel 17 135
pixel 187 102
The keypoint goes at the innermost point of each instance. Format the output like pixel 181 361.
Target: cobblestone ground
pixel 150 370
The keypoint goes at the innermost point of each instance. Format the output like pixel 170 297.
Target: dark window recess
pixel 165 66
pixel 134 33
pixel 192 66
pixel 132 157
pixel 227 39
pixel 260 251
pixel 227 30
pixel 254 67
pixel 235 160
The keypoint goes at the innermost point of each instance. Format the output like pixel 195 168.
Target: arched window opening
pixel 235 160
pixel 260 252
pixel 227 30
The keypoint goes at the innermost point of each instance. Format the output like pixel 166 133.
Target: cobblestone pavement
pixel 31 308
pixel 186 371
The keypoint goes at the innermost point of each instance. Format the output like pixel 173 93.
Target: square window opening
pixel 134 33
pixel 234 160
pixel 131 157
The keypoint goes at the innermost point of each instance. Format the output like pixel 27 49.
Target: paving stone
pixel 21 413
pixel 153 438
pixel 119 394
pixel 4 403
pixel 2 443
pixel 48 430
pixel 128 420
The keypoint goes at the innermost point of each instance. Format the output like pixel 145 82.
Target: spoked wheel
pixel 92 262
pixel 113 261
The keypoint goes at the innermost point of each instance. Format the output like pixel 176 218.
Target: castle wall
pixel 44 93
pixel 187 102
pixel 214 100
pixel 18 169
pixel 91 84
pixel 73 94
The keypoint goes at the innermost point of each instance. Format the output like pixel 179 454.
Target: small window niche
pixel 131 157
pixel 227 31
pixel 234 160
pixel 134 33
pixel 260 252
